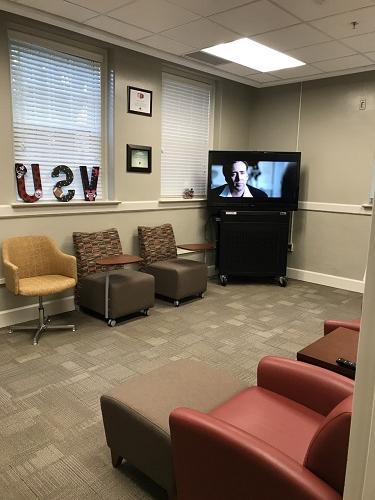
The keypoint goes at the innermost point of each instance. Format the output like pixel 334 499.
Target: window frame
pixel 56 42
pixel 199 81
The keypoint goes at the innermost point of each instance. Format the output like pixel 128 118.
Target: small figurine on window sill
pixel 188 193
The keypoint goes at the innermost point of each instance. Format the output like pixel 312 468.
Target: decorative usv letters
pixel 89 188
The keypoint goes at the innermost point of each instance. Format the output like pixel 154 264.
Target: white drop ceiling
pixel 319 32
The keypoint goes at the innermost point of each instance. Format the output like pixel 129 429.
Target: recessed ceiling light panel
pixel 253 55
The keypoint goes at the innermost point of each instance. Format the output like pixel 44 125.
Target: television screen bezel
pixel 277 204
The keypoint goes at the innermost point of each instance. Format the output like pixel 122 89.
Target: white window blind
pixel 57 114
pixel 185 136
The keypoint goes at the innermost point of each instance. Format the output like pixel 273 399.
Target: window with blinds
pixel 186 106
pixel 57 114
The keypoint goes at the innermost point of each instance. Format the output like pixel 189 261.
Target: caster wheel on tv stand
pixel 223 279
pixel 283 281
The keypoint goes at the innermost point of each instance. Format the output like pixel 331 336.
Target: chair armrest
pixel 332 324
pixel 11 276
pixel 67 264
pixel 312 386
pixel 213 459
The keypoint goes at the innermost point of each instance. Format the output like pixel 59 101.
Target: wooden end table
pixel 197 247
pixel 112 261
pixel 341 343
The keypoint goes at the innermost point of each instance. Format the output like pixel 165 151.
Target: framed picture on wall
pixel 139 101
pixel 138 158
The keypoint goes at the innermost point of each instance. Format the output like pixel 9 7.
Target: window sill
pixel 44 204
pixel 182 200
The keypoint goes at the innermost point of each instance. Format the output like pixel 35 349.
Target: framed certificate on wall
pixel 138 158
pixel 139 101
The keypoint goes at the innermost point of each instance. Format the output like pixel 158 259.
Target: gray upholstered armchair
pixel 128 291
pixel 175 278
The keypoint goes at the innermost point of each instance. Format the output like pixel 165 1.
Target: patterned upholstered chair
pixel 174 278
pixel 129 291
pixel 34 266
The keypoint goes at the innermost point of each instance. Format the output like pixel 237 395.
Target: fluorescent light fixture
pixel 253 55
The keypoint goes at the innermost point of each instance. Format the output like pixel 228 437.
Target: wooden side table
pixel 112 261
pixel 341 343
pixel 198 247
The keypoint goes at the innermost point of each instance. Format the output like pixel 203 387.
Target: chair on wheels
pixel 129 291
pixel 174 278
pixel 34 266
pixel 332 324
pixel 285 438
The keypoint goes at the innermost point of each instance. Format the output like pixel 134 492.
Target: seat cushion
pixel 178 278
pixel 129 292
pixel 45 285
pixel 280 422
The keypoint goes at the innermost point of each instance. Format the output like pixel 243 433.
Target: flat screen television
pixel 253 180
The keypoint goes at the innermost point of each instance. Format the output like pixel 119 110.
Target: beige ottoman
pixel 136 413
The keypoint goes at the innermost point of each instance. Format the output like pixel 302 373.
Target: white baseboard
pixel 30 312
pixel 326 279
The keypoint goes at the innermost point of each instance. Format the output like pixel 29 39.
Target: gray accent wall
pixel 321 118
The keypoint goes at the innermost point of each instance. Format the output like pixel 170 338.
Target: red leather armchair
pixel 286 438
pixel 332 324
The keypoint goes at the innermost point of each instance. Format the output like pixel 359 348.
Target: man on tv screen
pixel 236 176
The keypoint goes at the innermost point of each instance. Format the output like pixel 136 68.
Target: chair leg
pixel 38 334
pixel 116 459
pixel 43 325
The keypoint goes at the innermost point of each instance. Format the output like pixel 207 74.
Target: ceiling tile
pixel 263 78
pixel 166 44
pixel 362 43
pixel 321 52
pixel 153 15
pixel 61 8
pixel 340 26
pixel 299 72
pixel 117 28
pixel 293 37
pixel 207 7
pixel 255 18
pixel 343 63
pixel 237 69
pixel 314 9
pixel 371 55
pixel 99 5
pixel 203 33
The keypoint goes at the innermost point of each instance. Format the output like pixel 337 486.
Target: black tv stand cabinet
pixel 252 244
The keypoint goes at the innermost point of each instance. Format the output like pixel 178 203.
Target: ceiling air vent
pixel 206 58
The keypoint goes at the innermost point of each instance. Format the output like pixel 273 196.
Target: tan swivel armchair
pixel 34 266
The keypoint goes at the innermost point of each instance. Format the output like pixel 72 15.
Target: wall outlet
pixel 362 104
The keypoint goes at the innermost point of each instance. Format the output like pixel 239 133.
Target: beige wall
pixel 231 109
pixel 337 144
